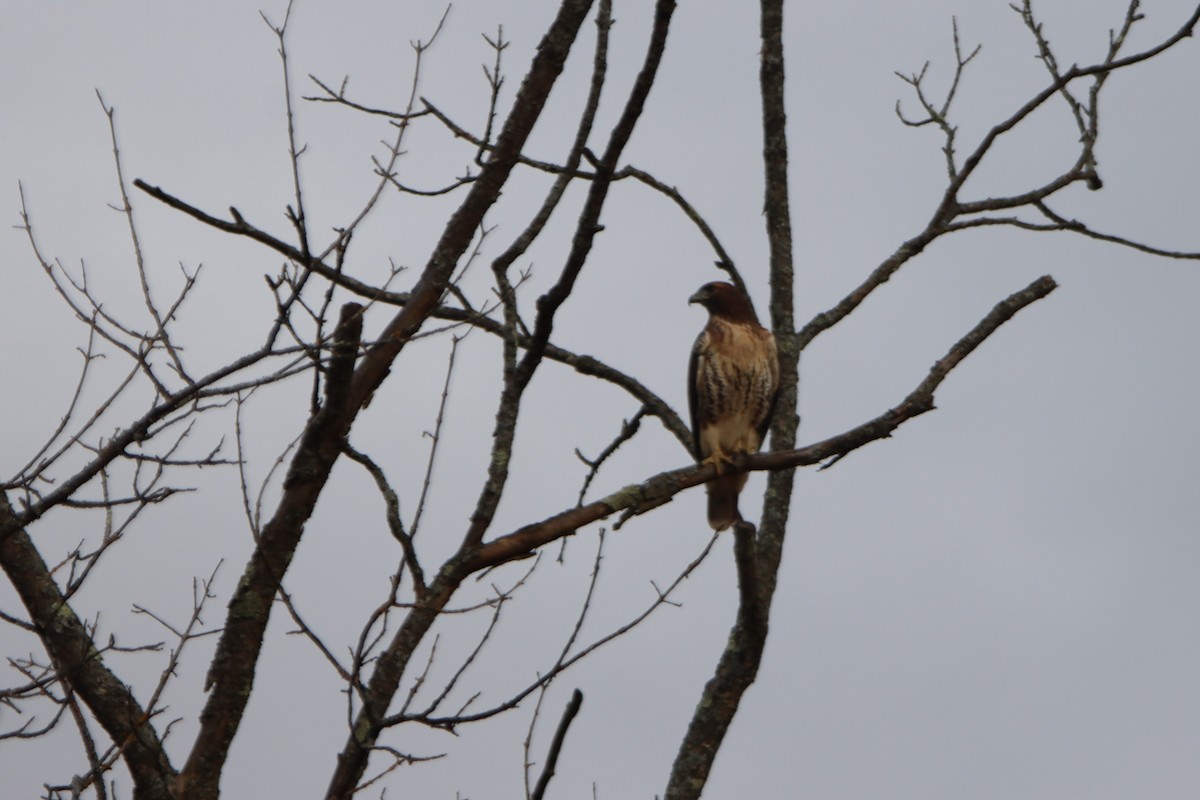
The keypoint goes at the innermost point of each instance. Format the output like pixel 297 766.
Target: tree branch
pixel 661 487
pixel 426 296
pixel 560 736
pixel 548 304
pixel 757 561
pixel 231 672
pixel 80 665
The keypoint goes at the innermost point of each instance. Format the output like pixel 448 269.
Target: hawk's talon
pixel 719 460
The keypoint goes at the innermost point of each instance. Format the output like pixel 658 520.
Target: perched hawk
pixel 733 377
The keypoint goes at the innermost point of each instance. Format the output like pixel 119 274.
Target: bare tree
pixel 170 415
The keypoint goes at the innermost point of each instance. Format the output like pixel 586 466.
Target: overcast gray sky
pixel 999 602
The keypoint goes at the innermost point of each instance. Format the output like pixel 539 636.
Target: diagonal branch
pixel 1075 226
pixel 80 665
pixel 426 296
pixel 723 262
pixel 661 487
pixel 1109 65
pixel 583 364
pixel 161 333
pixel 560 736
pixel 548 304
pixel 231 672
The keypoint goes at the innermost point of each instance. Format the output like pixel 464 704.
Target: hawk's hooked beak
pixel 698 297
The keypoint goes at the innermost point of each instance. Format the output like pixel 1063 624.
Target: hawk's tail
pixel 723 501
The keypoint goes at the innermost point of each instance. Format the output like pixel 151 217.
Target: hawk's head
pixel 724 300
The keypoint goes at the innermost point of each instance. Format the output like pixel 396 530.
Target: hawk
pixel 733 378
